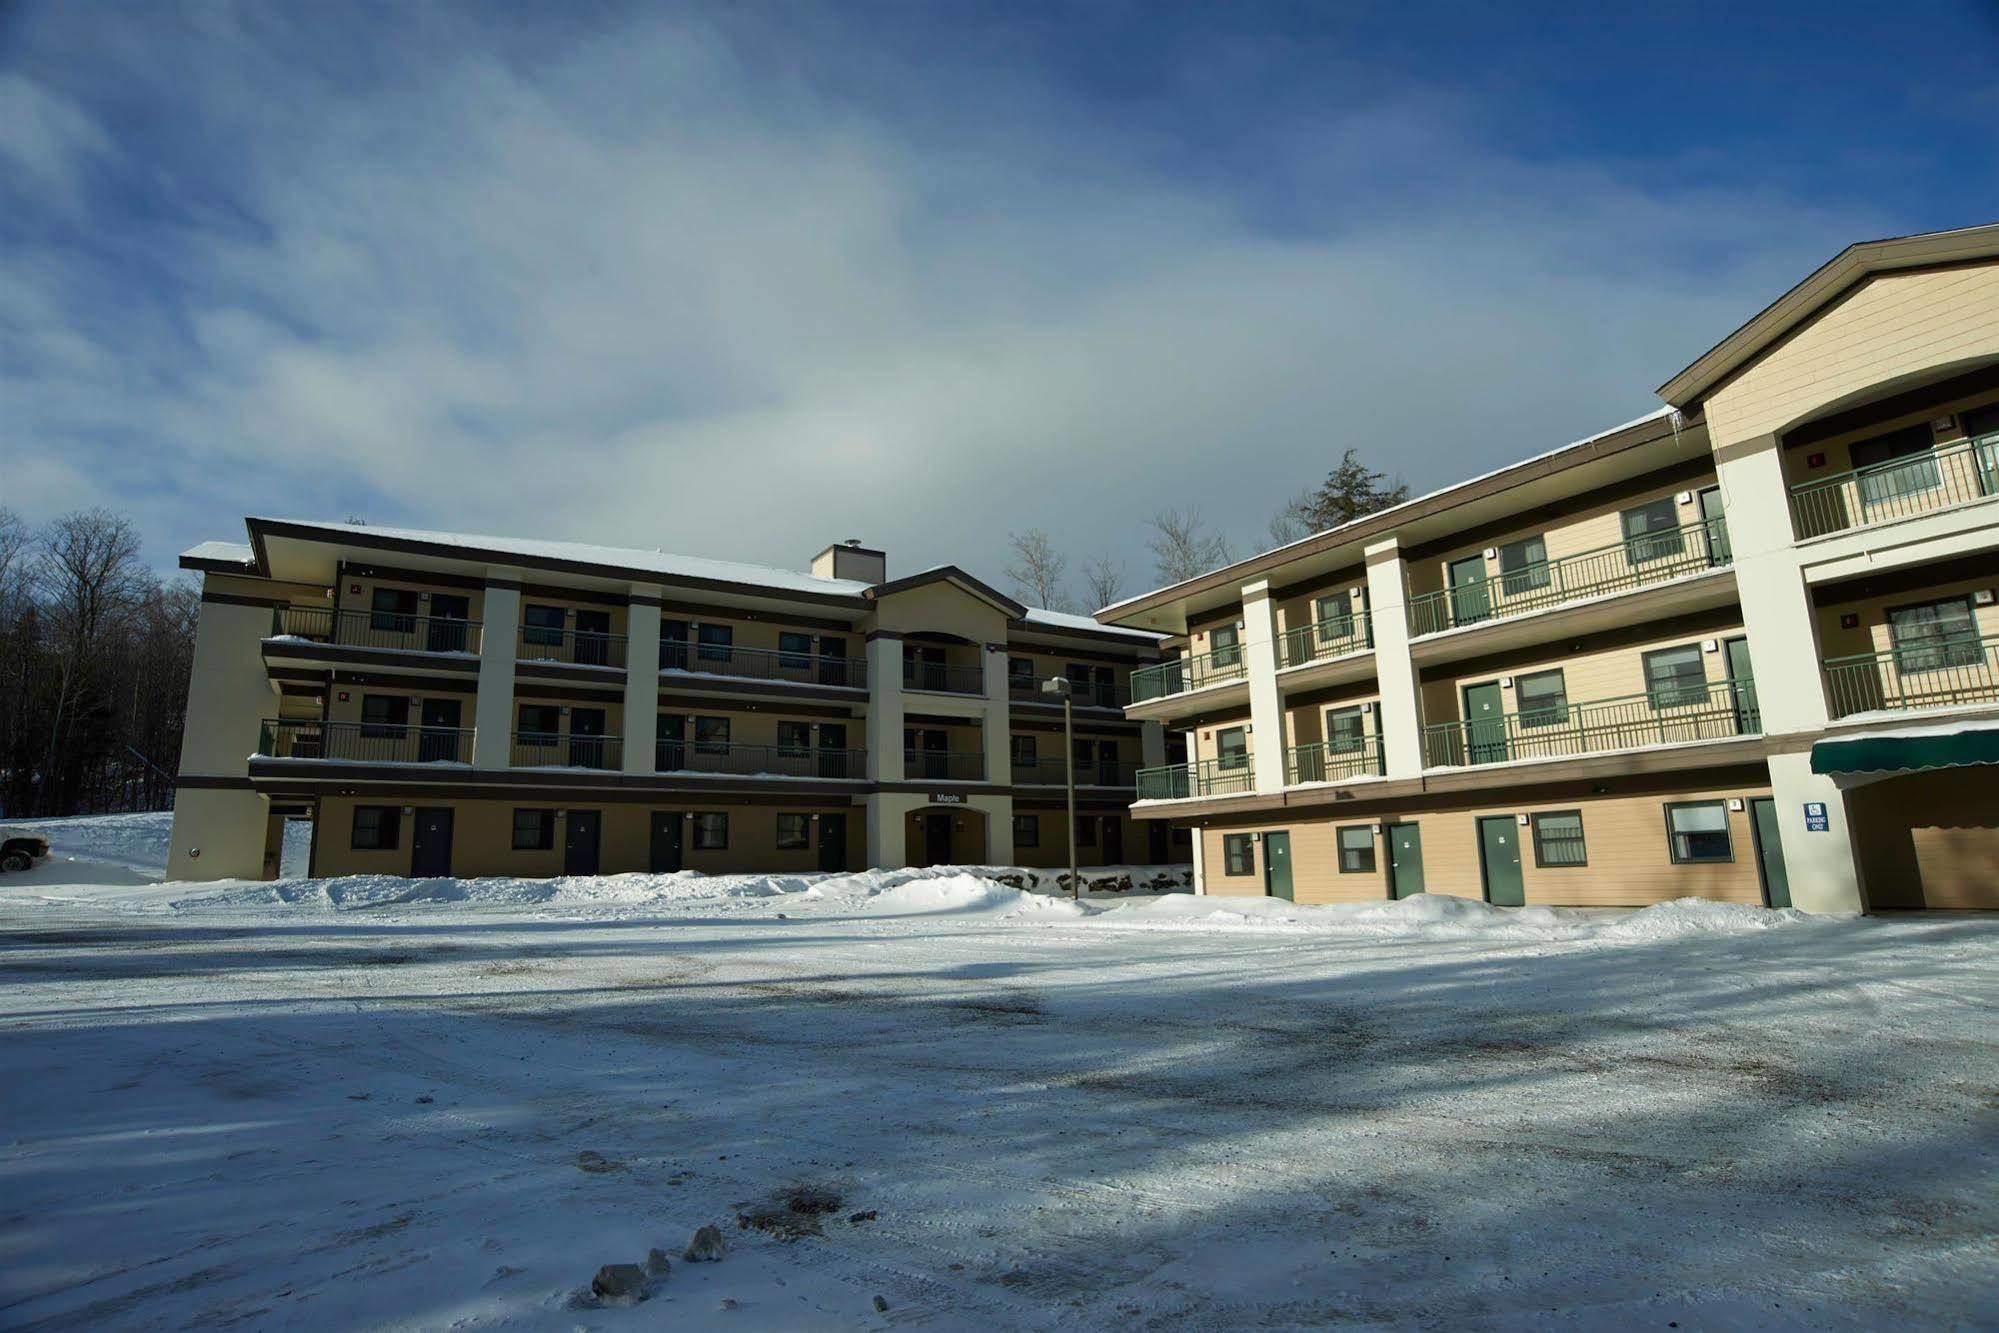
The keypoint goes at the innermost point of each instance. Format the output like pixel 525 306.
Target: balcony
pixel 1669 715
pixel 1900 488
pixel 710 659
pixel 1335 761
pixel 943 677
pixel 376 629
pixel 1087 694
pixel 1196 671
pixel 1636 562
pixel 1325 639
pixel 570 647
pixel 789 761
pixel 1933 675
pixel 943 766
pixel 364 742
pixel 1053 771
pixel 546 749
pixel 1209 777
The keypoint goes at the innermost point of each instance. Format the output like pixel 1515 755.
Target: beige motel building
pixel 1745 648
pixel 440 704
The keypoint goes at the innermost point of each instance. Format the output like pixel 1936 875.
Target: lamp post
pixel 1060 685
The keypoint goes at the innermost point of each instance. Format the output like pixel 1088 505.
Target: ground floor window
pixel 1086 831
pixel 1238 858
pixel 794 833
pixel 1027 830
pixel 377 828
pixel 534 830
pixel 1357 850
pixel 711 832
pixel 1698 831
pixel 1558 838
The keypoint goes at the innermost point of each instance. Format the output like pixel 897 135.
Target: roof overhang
pixel 956 578
pixel 1832 280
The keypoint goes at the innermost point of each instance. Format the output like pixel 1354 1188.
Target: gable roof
pixel 1830 281
pixel 958 579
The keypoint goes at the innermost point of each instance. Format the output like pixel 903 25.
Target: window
pixel 1357 850
pixel 1523 565
pixel 1333 614
pixel 384 714
pixel 1346 732
pixel 1238 856
pixel 1935 635
pixel 1027 830
pixel 673 645
pixel 1675 677
pixel 1223 646
pixel 394 610
pixel 1086 830
pixel 541 624
pixel 794 651
pixel 1901 462
pixel 794 738
pixel 1698 831
pixel 1541 699
pixel 1024 750
pixel 794 833
pixel 540 722
pixel 534 830
pixel 1652 531
pixel 716 643
pixel 1020 675
pixel 711 832
pixel 377 828
pixel 1558 839
pixel 711 735
pixel 1232 748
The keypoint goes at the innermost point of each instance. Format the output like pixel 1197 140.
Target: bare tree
pixel 1103 580
pixel 1181 546
pixel 88 574
pixel 1037 569
pixel 1292 522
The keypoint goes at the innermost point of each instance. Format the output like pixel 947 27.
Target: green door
pixel 1277 865
pixel 1485 723
pixel 1769 852
pixel 666 854
pixel 1716 528
pixel 1470 601
pixel 1742 686
pixel 1405 860
pixel 1499 855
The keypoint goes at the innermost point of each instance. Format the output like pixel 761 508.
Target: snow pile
pixel 1700 916
pixel 360 892
pixel 139 841
pixel 966 894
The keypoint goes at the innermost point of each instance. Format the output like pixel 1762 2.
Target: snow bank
pixel 962 893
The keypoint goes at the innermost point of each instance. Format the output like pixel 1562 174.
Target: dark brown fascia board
pixel 955 576
pixel 206 566
pixel 1824 285
pixel 1142 649
pixel 1650 430
pixel 361 537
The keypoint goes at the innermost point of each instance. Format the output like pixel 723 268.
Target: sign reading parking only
pixel 1816 819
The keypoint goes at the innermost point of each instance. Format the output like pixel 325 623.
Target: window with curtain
pixel 384 715
pixel 542 624
pixel 716 643
pixel 1541 698
pixel 393 610
pixel 1238 855
pixel 1025 751
pixel 1356 850
pixel 794 833
pixel 711 832
pixel 1896 464
pixel 1558 838
pixel 794 650
pixel 1232 748
pixel 1334 614
pixel 1223 645
pixel 1346 732
pixel 1652 531
pixel 1027 830
pixel 534 830
pixel 1935 635
pixel 794 738
pixel 1698 831
pixel 1523 565
pixel 377 828
pixel 1675 677
pixel 711 735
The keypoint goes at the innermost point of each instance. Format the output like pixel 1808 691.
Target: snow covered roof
pixel 229 553
pixel 1064 620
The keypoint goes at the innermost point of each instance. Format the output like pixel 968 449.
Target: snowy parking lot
pixel 943 1102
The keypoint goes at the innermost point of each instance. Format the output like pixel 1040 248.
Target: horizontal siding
pixel 1608 674
pixel 1872 635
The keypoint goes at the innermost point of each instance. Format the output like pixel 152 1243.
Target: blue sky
pixel 916 273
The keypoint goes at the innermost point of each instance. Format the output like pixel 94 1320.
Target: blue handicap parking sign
pixel 1816 819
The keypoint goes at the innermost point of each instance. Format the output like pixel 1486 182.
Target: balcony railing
pixel 1087 694
pixel 1931 675
pixel 574 647
pixel 546 749
pixel 365 742
pixel 763 664
pixel 1655 557
pixel 944 765
pixel 1708 711
pixel 1192 672
pixel 1052 771
pixel 1334 761
pixel 1335 637
pixel 791 761
pixel 943 677
pixel 1899 488
pixel 376 629
pixel 1208 777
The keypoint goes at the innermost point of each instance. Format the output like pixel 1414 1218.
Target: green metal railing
pixel 548 749
pixel 1192 672
pixel 376 629
pixel 1334 637
pixel 368 742
pixel 1709 711
pixel 944 765
pixel 763 664
pixel 1209 777
pixel 572 647
pixel 1334 761
pixel 1913 484
pixel 1086 693
pixel 1050 770
pixel 943 677
pixel 1635 562
pixel 672 755
pixel 1937 675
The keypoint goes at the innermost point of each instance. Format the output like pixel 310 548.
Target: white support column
pixel 996 727
pixel 1151 745
pixel 218 832
pixel 886 810
pixel 1823 868
pixel 493 712
pixel 1776 605
pixel 1400 716
pixel 642 681
pixel 1200 873
pixel 1266 707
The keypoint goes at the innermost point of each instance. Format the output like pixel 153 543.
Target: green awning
pixel 1906 753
